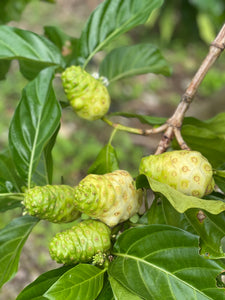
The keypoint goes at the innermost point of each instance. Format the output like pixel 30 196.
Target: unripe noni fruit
pixel 81 242
pixel 54 203
pixel 111 198
pixel 88 96
pixel 186 171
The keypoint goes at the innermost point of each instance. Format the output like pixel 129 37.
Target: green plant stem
pixel 112 135
pixel 16 196
pixel 134 130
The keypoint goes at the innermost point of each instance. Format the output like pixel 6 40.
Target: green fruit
pixel 88 96
pixel 186 171
pixel 81 242
pixel 54 203
pixel 111 198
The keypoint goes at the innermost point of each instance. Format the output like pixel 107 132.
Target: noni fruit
pixel 88 96
pixel 54 203
pixel 186 171
pixel 111 198
pixel 81 242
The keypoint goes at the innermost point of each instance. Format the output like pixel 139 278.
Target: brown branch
pixel 172 128
pixel 175 122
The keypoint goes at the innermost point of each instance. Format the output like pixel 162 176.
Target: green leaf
pixel 220 173
pixel 7 202
pixel 209 227
pixel 109 20
pixel 182 202
pixel 142 182
pixel 215 124
pixel 36 289
pixel 211 230
pixel 220 181
pixel 120 292
pixel 105 162
pixel 211 132
pixel 158 260
pixel 11 10
pixel 34 52
pixel 34 122
pixel 12 239
pixel 44 171
pixel 142 118
pixel 83 282
pixel 133 60
pixel 67 45
pixel 4 68
pixel 197 138
pixel 106 292
pixel 8 171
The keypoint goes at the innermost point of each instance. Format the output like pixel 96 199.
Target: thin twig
pixel 172 128
pixel 175 122
pixel 135 130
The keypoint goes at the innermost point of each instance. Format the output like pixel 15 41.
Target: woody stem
pixel 175 122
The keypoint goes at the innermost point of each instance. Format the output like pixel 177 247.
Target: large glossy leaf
pixel 158 260
pixel 83 282
pixel 35 52
pixel 110 19
pixel 133 60
pixel 36 289
pixel 12 239
pixel 209 227
pixel 35 120
pixel 105 162
pixel 182 202
pixel 120 292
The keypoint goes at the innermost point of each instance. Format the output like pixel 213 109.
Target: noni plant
pixel 54 203
pixel 145 218
pixel 88 96
pixel 186 171
pixel 111 198
pixel 81 242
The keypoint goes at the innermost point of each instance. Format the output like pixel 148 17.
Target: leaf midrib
pixel 159 269
pixel 110 36
pixel 79 284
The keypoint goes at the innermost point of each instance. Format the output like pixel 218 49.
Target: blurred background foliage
pixel 182 29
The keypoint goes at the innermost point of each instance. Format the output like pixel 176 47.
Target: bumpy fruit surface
pixel 111 198
pixel 88 96
pixel 54 203
pixel 81 242
pixel 186 171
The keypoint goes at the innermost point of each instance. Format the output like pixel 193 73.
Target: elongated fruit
pixel 186 171
pixel 88 96
pixel 81 242
pixel 111 198
pixel 54 203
